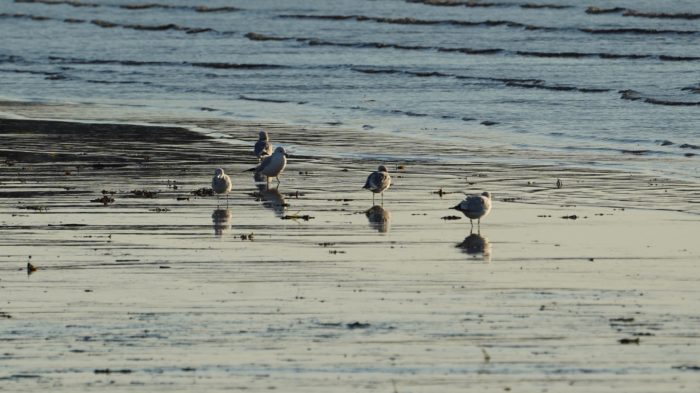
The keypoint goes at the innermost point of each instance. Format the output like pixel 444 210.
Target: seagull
pixel 221 183
pixel 475 207
pixel 378 181
pixel 273 165
pixel 262 146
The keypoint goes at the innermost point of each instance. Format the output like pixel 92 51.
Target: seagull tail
pixel 253 169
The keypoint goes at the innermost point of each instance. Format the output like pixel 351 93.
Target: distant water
pixel 562 80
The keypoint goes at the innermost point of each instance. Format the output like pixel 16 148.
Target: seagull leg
pixel 382 198
pixel 471 229
pixel 372 199
pixel 278 180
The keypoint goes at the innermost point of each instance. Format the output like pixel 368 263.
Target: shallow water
pixel 548 80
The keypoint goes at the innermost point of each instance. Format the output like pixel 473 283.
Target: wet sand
pixel 301 288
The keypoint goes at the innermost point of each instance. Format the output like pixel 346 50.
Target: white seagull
pixel 475 207
pixel 378 181
pixel 273 165
pixel 221 183
pixel 262 146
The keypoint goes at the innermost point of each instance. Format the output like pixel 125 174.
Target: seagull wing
pixel 378 181
pixel 368 183
pixel 383 180
pixel 474 204
pixel 264 163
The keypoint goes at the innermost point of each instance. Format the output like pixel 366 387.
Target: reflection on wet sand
pixel 476 245
pixel 260 178
pixel 379 218
pixel 282 307
pixel 221 219
pixel 274 200
pixel 270 197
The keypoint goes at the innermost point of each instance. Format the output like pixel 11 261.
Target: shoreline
pixel 614 159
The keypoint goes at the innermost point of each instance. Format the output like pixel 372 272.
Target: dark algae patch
pixel 629 341
pixel 357 325
pixel 110 371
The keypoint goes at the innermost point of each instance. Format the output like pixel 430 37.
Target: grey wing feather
pixel 264 163
pixel 474 205
pixel 368 183
pixel 378 181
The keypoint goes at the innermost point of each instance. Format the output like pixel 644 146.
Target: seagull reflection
pixel 379 218
pixel 274 200
pixel 270 197
pixel 476 245
pixel 221 219
pixel 260 180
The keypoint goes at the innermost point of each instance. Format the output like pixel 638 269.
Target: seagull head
pixel 280 150
pixel 218 172
pixel 382 168
pixel 262 136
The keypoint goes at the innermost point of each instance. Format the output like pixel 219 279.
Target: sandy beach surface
pixel 142 285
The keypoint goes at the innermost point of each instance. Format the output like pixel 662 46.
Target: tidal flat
pixel 143 283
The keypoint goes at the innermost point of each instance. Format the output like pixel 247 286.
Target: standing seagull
pixel 221 183
pixel 475 207
pixel 273 165
pixel 378 181
pixel 262 146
